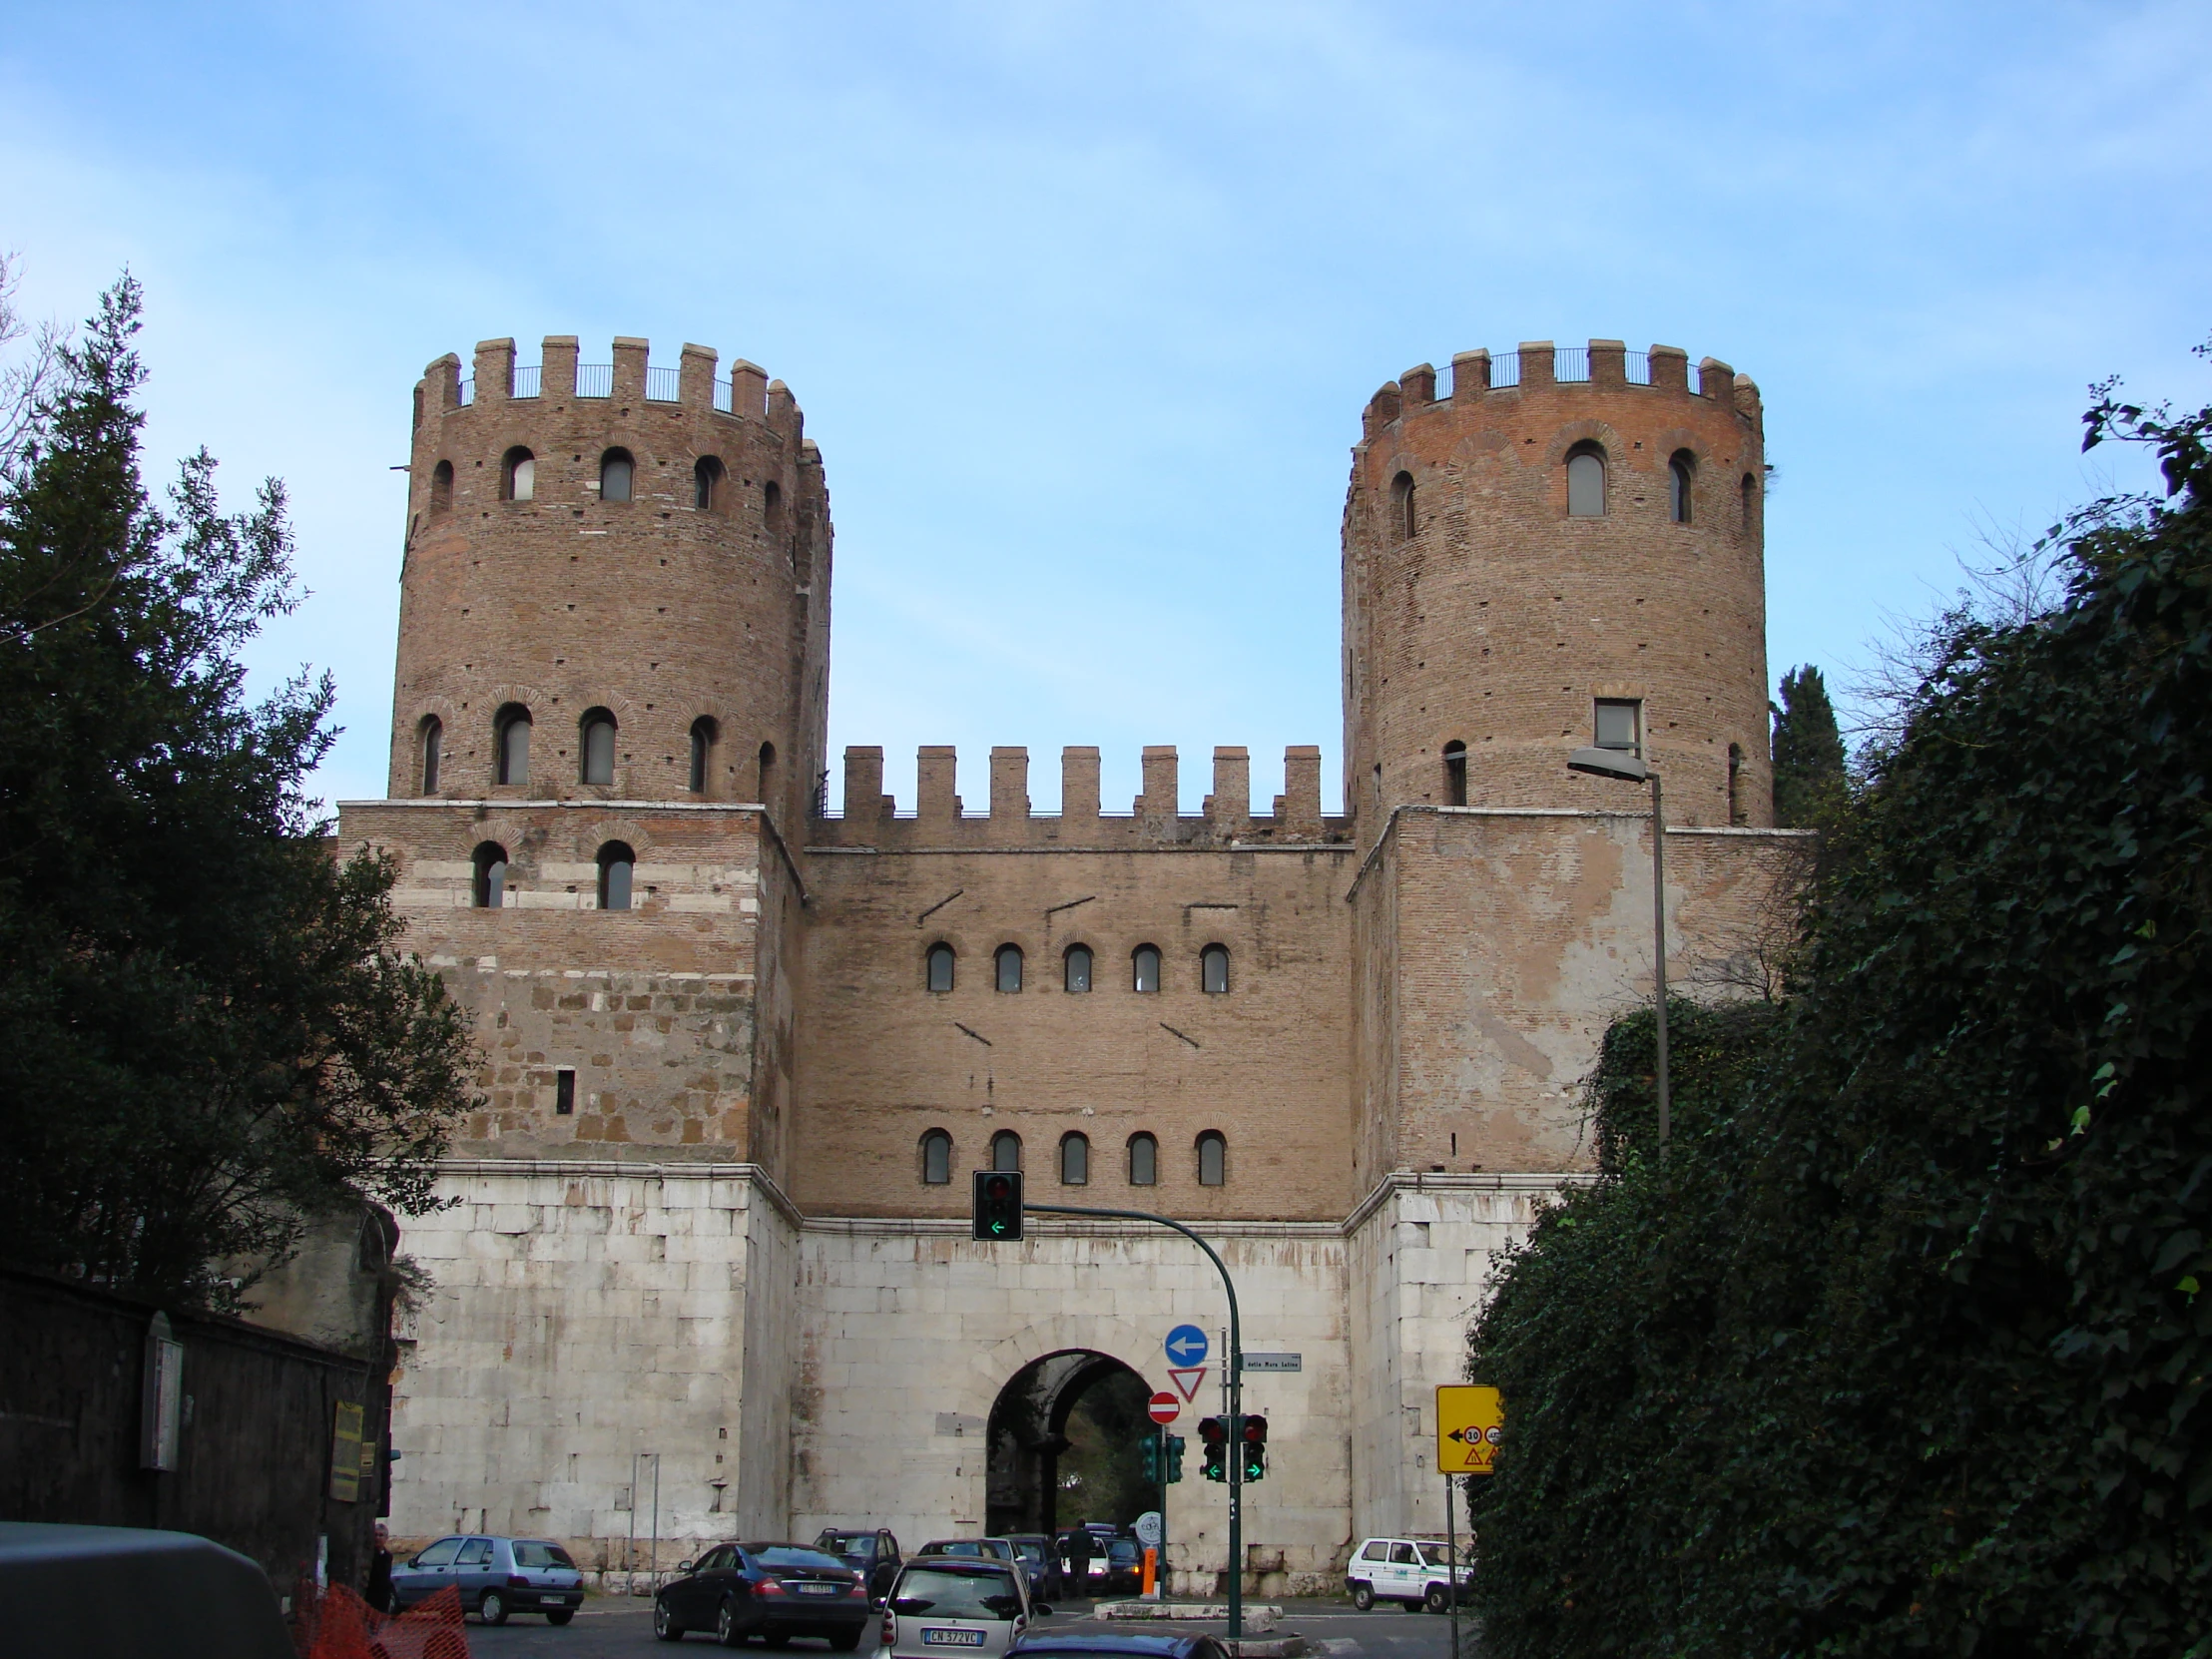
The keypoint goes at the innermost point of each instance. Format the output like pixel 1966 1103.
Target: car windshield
pixel 1122 1549
pixel 953 1546
pixel 794 1555
pixel 850 1543
pixel 958 1593
pixel 533 1552
pixel 1029 1550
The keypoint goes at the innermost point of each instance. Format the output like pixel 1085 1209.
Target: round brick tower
pixel 615 584
pixel 1565 550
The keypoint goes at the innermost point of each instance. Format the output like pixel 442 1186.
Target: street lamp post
pixel 1628 768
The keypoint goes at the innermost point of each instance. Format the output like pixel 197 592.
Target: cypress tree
pixel 1808 751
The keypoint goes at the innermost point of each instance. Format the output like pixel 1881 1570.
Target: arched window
pixel 617 475
pixel 617 864
pixel 433 742
pixel 1403 521
pixel 1681 475
pixel 1735 783
pixel 1009 968
pixel 513 731
pixel 1586 481
pixel 767 773
pixel 1456 773
pixel 1006 1152
pixel 1076 968
pixel 771 506
pixel 703 733
pixel 1749 489
pixel 489 891
pixel 598 747
pixel 1075 1160
pixel 441 488
pixel 936 1158
pixel 1213 970
pixel 1144 1160
pixel 1213 1158
pixel 706 483
pixel 939 976
pixel 518 475
pixel 1144 968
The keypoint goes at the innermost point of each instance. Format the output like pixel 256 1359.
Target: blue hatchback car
pixel 495 1576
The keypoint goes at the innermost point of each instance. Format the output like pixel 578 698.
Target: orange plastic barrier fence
pixel 340 1625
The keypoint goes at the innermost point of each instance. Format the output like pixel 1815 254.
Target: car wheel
pixel 560 1615
pixel 1438 1599
pixel 493 1609
pixel 664 1627
pixel 726 1625
pixel 1362 1596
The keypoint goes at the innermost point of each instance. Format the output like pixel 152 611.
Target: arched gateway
pixel 1064 1444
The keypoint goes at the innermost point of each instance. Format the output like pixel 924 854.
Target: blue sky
pixel 1083 301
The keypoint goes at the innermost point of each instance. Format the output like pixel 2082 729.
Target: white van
pixel 1416 1572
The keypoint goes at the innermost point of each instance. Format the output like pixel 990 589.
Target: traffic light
pixel 1175 1458
pixel 998 1204
pixel 1149 1455
pixel 1255 1449
pixel 1214 1432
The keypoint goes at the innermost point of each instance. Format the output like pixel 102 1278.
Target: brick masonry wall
pixel 1501 618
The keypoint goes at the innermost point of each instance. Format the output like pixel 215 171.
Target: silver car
pixel 946 1604
pixel 495 1577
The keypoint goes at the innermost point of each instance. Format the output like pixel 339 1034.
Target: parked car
pixel 776 1590
pixel 1098 1577
pixel 874 1555
pixel 957 1603
pixel 1416 1572
pixel 495 1576
pixel 1123 1559
pixel 982 1549
pixel 1040 1559
pixel 1112 1644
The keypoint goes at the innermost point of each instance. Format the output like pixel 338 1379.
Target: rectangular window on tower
pixel 564 1092
pixel 1619 724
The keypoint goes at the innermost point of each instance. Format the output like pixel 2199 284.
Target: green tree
pixel 1808 752
pixel 1903 1347
pixel 206 1031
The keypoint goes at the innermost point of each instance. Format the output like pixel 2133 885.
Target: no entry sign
pixel 1166 1408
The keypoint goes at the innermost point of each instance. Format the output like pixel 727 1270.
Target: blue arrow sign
pixel 1185 1345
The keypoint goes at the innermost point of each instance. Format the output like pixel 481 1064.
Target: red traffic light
pixel 1256 1432
pixel 1214 1430
pixel 998 1187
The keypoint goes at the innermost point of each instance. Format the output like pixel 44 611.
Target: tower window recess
pixel 1618 723
pixel 1403 520
pixel 1213 970
pixel 617 866
pixel 598 747
pixel 1006 1152
pixel 703 733
pixel 771 506
pixel 1456 773
pixel 433 742
pixel 1144 968
pixel 564 1092
pixel 936 1158
pixel 441 488
pixel 1076 968
pixel 1586 481
pixel 706 483
pixel 940 978
pixel 518 475
pixel 767 773
pixel 1009 969
pixel 1213 1158
pixel 1735 783
pixel 1144 1160
pixel 1075 1160
pixel 617 475
pixel 1681 475
pixel 1750 492
pixel 488 890
pixel 512 729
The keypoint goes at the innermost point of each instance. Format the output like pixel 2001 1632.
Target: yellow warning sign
pixel 1467 1419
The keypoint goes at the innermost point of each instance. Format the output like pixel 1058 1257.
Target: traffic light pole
pixel 1236 1394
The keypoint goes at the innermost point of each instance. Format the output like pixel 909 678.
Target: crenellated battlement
pixel 628 379
pixel 939 818
pixel 1539 367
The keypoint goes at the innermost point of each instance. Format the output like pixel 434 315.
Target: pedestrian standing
pixel 1079 1559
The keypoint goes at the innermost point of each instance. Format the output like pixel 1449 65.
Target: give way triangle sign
pixel 1187 1379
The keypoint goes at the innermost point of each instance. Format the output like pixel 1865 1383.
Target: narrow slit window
pixel 1075 1160
pixel 1213 970
pixel 616 868
pixel 564 1092
pixel 617 475
pixel 1213 1159
pixel 1735 783
pixel 489 887
pixel 940 968
pixel 513 733
pixel 433 741
pixel 598 747
pixel 1144 970
pixel 1456 773
pixel 1144 1160
pixel 1586 483
pixel 936 1158
pixel 441 488
pixel 1681 476
pixel 1078 968
pixel 1618 723
pixel 768 775
pixel 518 475
pixel 1403 518
pixel 1006 1152
pixel 1750 491
pixel 702 754
pixel 772 508
pixel 1009 969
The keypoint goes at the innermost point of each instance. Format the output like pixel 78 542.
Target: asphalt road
pixel 607 1626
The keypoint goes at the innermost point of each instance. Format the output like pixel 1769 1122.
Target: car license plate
pixel 952 1638
pixel 821 1589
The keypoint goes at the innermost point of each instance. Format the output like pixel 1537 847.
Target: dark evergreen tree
pixel 1808 752
pixel 206 1033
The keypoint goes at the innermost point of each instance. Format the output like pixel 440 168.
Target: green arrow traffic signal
pixel 996 1196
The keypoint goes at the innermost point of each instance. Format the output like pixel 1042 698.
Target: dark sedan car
pixel 766 1589
pixel 1102 1644
pixel 1042 1562
pixel 874 1555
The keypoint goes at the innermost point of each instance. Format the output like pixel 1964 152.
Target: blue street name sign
pixel 1185 1345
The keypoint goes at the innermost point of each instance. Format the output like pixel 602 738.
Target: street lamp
pixel 1630 768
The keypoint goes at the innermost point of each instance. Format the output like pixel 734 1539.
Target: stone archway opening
pixel 1065 1446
